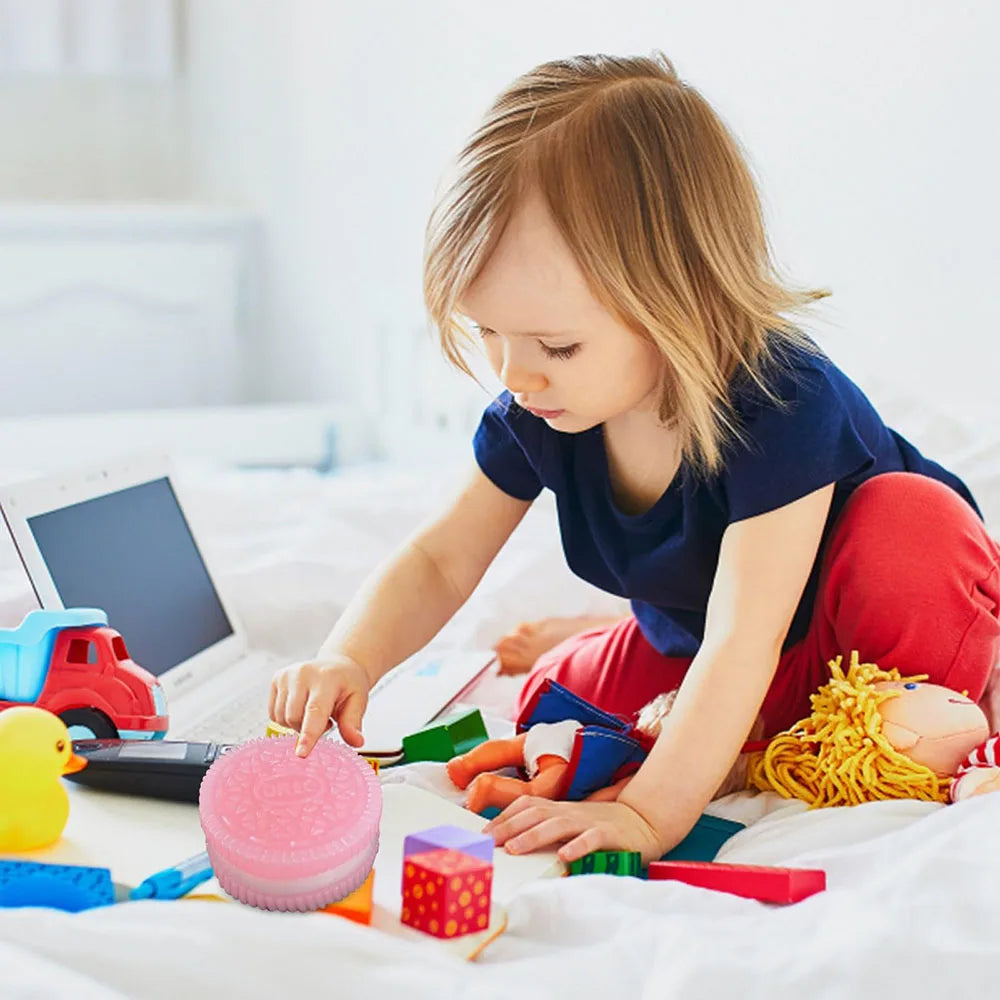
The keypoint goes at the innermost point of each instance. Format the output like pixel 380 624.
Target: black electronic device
pixel 159 769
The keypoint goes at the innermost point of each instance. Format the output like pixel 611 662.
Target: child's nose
pixel 521 382
pixel 519 379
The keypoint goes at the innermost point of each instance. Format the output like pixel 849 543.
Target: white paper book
pixel 135 837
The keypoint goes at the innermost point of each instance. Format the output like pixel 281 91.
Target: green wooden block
pixel 467 730
pixel 448 738
pixel 608 863
pixel 432 743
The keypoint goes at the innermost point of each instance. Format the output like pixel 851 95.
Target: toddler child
pixel 603 237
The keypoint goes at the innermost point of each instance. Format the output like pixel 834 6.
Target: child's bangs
pixel 465 226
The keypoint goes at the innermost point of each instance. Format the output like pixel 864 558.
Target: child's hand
pixel 530 823
pixel 305 696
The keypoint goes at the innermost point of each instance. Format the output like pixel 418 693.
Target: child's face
pixel 551 343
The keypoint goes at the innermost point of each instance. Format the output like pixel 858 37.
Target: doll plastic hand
pixel 530 823
pixel 305 696
pixel 977 781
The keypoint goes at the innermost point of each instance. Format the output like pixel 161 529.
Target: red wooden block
pixel 446 893
pixel 769 885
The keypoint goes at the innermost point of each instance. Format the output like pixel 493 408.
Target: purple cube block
pixel 454 838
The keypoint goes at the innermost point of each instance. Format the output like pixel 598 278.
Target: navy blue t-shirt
pixel 664 560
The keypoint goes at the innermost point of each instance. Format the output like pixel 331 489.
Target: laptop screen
pixel 132 554
pixel 17 597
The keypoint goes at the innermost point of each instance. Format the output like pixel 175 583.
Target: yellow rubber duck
pixel 35 749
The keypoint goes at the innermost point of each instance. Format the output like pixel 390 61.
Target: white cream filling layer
pixel 291 887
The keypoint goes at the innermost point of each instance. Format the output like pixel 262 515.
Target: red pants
pixel 909 578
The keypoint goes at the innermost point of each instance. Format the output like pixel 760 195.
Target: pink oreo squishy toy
pixel 286 832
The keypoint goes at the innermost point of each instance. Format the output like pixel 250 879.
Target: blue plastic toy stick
pixel 175 881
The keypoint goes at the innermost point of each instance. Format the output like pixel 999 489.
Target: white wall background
pixel 868 124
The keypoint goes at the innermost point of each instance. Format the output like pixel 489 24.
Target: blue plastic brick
pixel 479 845
pixel 61 887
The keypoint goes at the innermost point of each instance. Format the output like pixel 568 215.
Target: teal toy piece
pixel 25 651
pixel 60 887
pixel 705 839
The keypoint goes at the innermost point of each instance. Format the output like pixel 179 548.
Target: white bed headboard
pixel 106 307
pixel 424 405
pixel 131 326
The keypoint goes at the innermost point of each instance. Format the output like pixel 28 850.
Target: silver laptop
pixel 117 537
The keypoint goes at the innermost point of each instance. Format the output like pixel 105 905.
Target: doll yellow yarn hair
pixel 839 755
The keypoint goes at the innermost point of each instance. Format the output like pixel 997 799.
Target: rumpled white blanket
pixel 911 910
pixel 913 903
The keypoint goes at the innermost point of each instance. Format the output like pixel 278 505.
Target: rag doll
pixel 874 734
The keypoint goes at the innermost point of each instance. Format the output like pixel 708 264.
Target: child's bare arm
pixel 763 566
pixel 609 793
pixel 400 607
pixel 406 601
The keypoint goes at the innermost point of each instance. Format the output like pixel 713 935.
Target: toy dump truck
pixel 74 665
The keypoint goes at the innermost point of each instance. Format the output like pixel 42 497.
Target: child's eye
pixel 560 352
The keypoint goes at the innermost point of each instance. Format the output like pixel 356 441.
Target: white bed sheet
pixel 912 907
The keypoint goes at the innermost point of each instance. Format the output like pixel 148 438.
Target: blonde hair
pixel 839 755
pixel 653 196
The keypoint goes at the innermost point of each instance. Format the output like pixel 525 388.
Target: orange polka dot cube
pixel 446 893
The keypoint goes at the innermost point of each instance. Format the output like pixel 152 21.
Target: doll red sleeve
pixel 987 754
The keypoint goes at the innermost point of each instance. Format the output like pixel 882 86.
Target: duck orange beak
pixel 74 764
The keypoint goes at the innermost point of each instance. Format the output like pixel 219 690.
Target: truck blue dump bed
pixel 25 651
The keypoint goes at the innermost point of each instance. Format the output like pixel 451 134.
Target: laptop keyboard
pixel 242 718
pixel 397 704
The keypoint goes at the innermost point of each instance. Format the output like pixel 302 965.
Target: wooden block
pixel 608 863
pixel 705 839
pixel 446 893
pixel 769 885
pixel 455 838
pixel 358 905
pixel 447 738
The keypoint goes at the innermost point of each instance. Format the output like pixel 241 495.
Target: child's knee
pixel 978 652
pixel 903 540
pixel 904 510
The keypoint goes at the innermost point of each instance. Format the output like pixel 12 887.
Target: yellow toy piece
pixel 35 750
pixel 358 905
